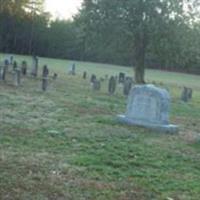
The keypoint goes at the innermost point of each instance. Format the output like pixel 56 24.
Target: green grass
pixel 66 144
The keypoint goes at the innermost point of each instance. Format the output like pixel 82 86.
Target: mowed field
pixel 66 144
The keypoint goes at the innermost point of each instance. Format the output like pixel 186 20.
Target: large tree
pixel 140 22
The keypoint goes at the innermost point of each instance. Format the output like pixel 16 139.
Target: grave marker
pixel 112 85
pixel 127 86
pixel 84 75
pixel 45 73
pixel 121 77
pixel 96 85
pixel 148 106
pixel 24 68
pixel 35 62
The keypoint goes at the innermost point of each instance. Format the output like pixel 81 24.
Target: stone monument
pixel 148 106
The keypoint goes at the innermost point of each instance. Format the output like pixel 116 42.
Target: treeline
pixel 165 32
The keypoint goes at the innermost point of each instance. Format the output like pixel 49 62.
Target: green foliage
pixel 153 34
pixel 147 31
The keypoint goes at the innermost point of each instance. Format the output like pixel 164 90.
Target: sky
pixel 63 9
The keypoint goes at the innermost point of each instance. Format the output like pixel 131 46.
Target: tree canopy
pixel 161 34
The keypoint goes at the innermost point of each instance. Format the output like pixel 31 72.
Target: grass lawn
pixel 66 144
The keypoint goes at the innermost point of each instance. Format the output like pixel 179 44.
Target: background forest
pixel 166 32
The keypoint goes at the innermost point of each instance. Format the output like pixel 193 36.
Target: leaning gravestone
pixel 148 106
pixel 112 85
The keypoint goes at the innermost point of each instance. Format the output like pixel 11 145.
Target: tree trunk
pixel 140 50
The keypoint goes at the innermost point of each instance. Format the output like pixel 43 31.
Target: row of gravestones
pixel 96 84
pixel 17 71
pixel 112 83
pixel 127 82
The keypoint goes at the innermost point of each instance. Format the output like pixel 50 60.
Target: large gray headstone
pixel 148 106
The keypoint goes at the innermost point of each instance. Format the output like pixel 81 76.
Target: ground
pixel 66 144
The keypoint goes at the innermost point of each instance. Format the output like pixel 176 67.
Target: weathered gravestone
pixel 112 85
pixel 96 85
pixel 1 71
pixel 6 65
pixel 11 60
pixel 55 76
pixel 24 67
pixel 106 77
pixel 35 62
pixel 16 77
pixel 15 66
pixel 72 70
pixel 93 78
pixel 186 94
pixel 127 86
pixel 84 75
pixel 102 79
pixel 121 77
pixel 148 106
pixel 45 73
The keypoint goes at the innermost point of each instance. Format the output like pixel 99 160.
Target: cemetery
pixel 68 132
pixel 99 100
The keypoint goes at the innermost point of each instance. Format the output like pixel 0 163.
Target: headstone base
pixel 169 128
